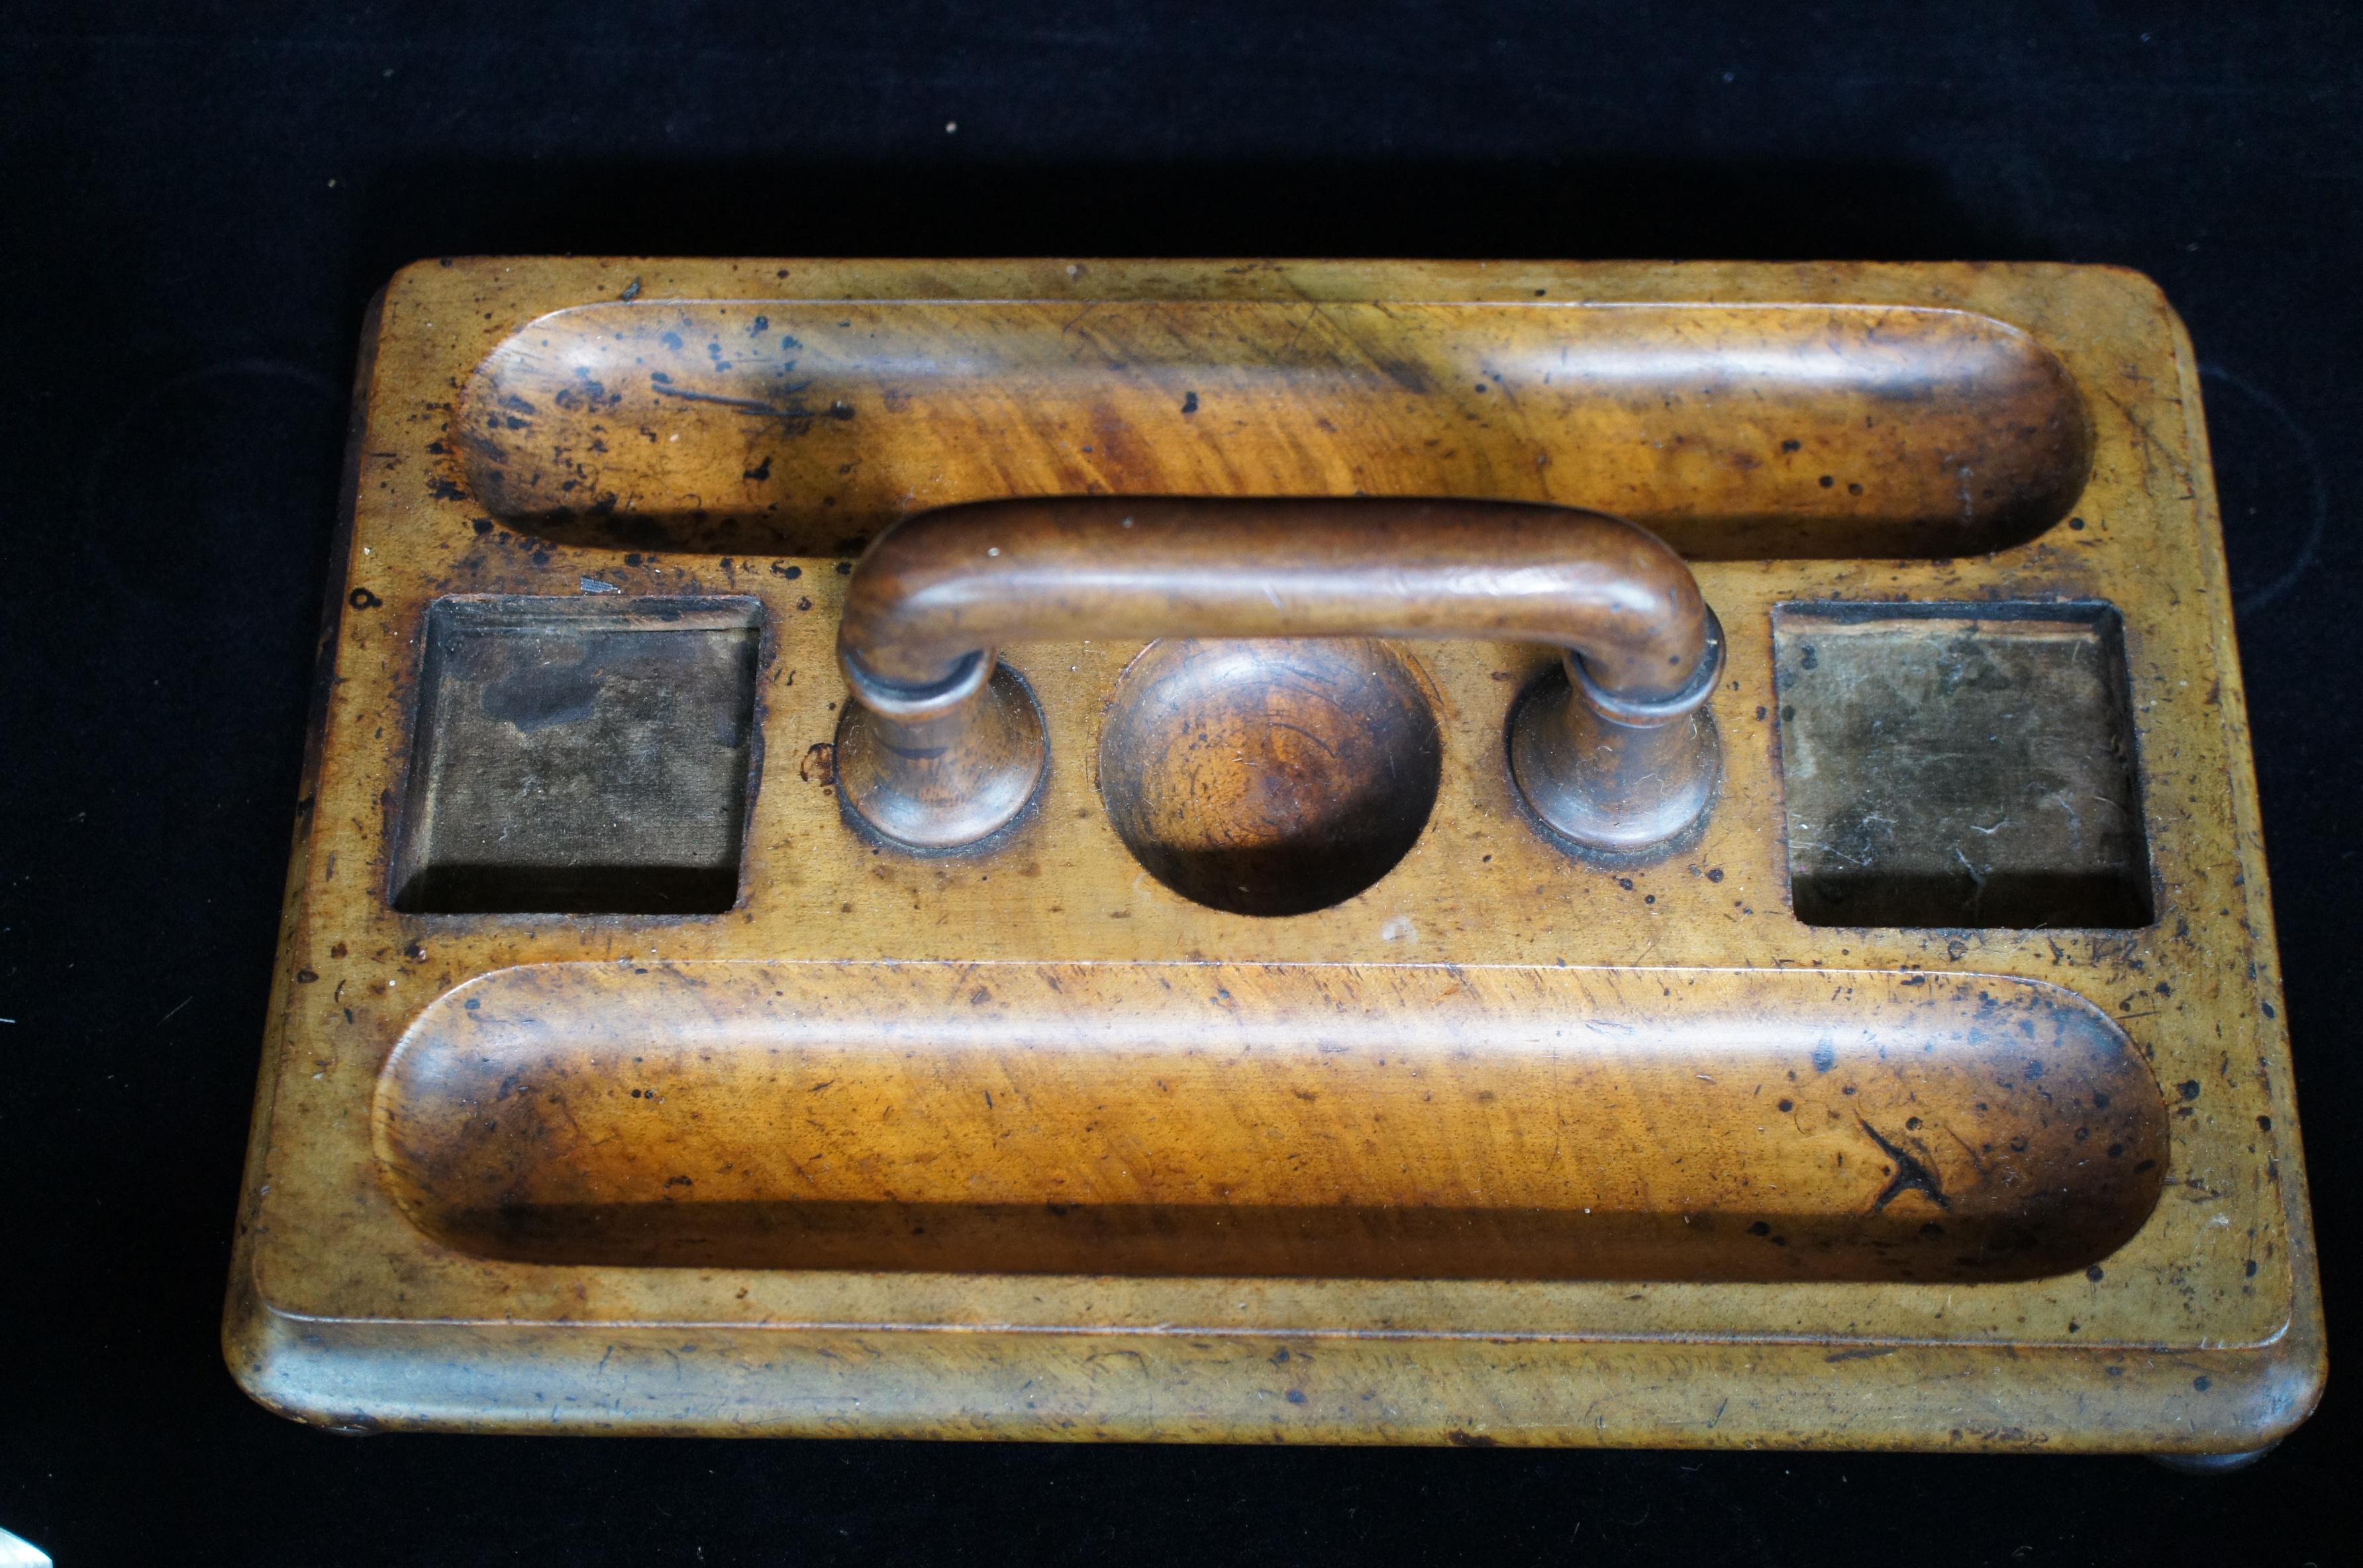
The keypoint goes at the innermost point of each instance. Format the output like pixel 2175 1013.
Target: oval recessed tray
pixel 1737 431
pixel 1172 1119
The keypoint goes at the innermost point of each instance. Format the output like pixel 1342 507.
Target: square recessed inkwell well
pixel 1959 765
pixel 579 756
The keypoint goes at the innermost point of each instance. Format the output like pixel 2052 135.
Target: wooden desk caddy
pixel 1291 931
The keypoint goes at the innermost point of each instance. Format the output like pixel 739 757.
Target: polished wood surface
pixel 1629 763
pixel 1271 778
pixel 384 1279
pixel 1773 423
pixel 947 780
pixel 948 584
pixel 1274 1119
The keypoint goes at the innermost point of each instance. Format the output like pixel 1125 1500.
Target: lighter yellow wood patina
pixel 2202 1332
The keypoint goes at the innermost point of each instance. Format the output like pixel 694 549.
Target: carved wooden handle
pixel 938 593
pixel 1621 760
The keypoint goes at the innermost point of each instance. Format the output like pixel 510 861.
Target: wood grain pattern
pixel 1292 1119
pixel 1734 431
pixel 951 583
pixel 1628 764
pixel 1271 778
pixel 2201 1331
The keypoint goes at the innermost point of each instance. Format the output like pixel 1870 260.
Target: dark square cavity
pixel 1959 765
pixel 579 756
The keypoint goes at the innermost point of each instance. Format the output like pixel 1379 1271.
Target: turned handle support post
pixel 937 751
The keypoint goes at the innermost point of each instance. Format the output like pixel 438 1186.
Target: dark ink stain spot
pixel 1911 1174
pixel 362 599
pixel 1188 402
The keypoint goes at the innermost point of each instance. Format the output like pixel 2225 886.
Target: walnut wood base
pixel 1271 1071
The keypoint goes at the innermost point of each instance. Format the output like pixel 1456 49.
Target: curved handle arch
pixel 938 751
pixel 935 595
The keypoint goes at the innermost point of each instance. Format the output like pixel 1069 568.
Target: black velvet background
pixel 195 201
